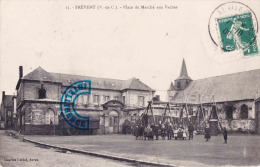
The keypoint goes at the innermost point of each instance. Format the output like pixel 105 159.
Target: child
pixel 184 134
pixel 175 133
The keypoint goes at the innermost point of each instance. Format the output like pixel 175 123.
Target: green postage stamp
pixel 237 33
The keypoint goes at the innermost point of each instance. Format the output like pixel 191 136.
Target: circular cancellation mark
pixel 74 118
pixel 234 26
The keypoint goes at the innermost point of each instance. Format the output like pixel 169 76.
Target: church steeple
pixel 183 80
pixel 184 73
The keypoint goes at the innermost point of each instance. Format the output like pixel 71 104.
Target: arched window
pixel 229 111
pixel 49 117
pixel 244 112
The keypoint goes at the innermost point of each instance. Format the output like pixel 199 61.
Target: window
pixel 229 112
pixel 49 117
pixel 123 99
pixel 96 98
pixel 178 85
pixel 141 100
pixel 85 99
pixel 9 113
pixel 106 98
pixel 42 93
pixel 244 112
pixel 116 97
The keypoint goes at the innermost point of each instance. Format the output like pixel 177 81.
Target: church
pixel 236 97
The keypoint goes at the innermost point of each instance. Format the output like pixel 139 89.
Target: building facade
pixel 236 97
pixel 7 111
pixel 112 102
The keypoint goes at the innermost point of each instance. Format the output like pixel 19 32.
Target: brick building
pixel 112 101
pixel 7 111
pixel 236 97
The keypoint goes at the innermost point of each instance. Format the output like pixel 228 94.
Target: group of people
pixel 164 130
pixel 171 132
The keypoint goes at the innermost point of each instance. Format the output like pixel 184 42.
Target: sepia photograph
pixel 129 83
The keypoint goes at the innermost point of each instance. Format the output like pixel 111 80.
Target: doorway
pixel 113 122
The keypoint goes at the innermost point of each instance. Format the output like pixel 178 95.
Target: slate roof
pixel 134 83
pixel 99 83
pixel 230 87
pixel 40 74
pixel 8 100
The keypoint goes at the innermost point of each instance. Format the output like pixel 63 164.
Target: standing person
pixel 169 131
pixel 136 132
pixel 163 131
pixel 207 133
pixel 184 134
pixel 190 129
pixel 156 131
pixel 225 134
pixel 175 133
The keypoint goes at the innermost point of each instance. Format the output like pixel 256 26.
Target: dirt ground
pixel 241 150
pixel 16 153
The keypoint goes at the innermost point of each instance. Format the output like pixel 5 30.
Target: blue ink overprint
pixel 67 104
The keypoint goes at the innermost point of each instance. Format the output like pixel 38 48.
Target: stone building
pixel 236 97
pixel 7 111
pixel 114 101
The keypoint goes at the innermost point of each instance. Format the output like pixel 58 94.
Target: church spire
pixel 184 73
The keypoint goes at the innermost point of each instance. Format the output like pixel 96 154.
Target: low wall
pixel 239 125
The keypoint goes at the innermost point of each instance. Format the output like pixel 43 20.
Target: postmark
pixel 233 28
pixel 67 104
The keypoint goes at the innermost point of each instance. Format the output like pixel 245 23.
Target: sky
pixel 148 44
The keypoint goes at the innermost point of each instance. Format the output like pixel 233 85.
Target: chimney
pixel 3 95
pixel 20 72
pixel 158 97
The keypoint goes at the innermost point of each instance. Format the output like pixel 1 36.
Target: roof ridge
pixel 226 74
pixel 86 76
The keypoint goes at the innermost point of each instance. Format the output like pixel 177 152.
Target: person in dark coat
pixel 136 132
pixel 141 132
pixel 225 134
pixel 156 131
pixel 163 131
pixel 190 129
pixel 207 133
pixel 169 131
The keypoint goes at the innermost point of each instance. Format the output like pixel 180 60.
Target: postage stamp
pixel 67 104
pixel 233 27
pixel 237 32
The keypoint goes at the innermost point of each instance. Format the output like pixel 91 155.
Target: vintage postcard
pixel 129 83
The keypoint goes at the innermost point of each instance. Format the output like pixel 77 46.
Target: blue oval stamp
pixel 67 104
